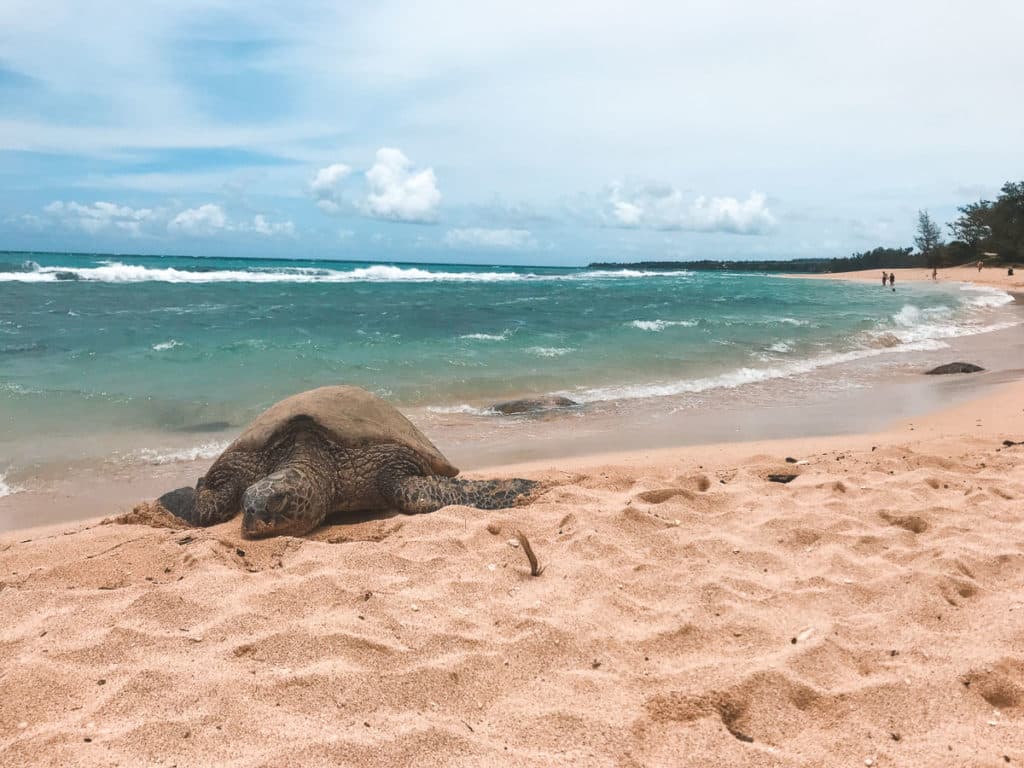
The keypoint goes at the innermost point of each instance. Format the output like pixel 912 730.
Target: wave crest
pixel 8 490
pixel 657 326
pixel 119 272
pixel 209 450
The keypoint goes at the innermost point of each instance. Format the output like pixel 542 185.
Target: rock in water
pixel 533 405
pixel 955 368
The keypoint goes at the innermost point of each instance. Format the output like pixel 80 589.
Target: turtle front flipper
pixel 417 494
pixel 181 503
pixel 217 494
pixel 202 506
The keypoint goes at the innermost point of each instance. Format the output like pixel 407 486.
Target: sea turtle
pixel 332 449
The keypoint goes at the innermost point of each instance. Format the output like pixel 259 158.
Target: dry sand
pixel 870 612
pixel 994 277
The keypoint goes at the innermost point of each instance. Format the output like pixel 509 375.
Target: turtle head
pixel 278 504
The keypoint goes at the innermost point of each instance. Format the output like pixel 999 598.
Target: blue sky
pixel 501 132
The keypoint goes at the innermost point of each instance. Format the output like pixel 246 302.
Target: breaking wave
pixel 660 325
pixel 204 451
pixel 165 345
pixel 461 408
pixel 550 351
pixel 733 379
pixel 486 336
pixel 986 297
pixel 118 272
pixel 7 490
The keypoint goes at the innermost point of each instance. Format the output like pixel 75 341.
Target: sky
pixel 501 132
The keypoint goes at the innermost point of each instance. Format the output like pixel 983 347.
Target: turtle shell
pixel 351 415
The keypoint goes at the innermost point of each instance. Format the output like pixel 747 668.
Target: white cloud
pixel 727 214
pixel 627 214
pixel 203 221
pixel 326 187
pixel 475 237
pixel 101 216
pixel 261 226
pixel 399 194
pixel 104 217
pixel 394 190
pixel 661 206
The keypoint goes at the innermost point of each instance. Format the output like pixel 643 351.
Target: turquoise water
pixel 97 344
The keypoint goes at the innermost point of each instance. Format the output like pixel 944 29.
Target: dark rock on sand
pixel 782 478
pixel 533 405
pixel 955 368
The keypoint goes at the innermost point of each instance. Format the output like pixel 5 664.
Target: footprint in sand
pixel 1001 685
pixel 912 523
pixel 661 495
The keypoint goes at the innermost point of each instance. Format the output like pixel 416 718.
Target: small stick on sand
pixel 536 569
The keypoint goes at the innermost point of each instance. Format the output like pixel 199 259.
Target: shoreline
pixel 816 405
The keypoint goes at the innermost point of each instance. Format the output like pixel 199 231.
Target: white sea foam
pixel 660 325
pixel 164 345
pixel 118 272
pixel 986 297
pixel 463 408
pixel 914 324
pixel 915 334
pixel 634 273
pixel 735 378
pixel 781 346
pixel 204 451
pixel 550 351
pixel 486 336
pixel 6 489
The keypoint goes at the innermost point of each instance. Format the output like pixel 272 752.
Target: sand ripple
pixel 872 609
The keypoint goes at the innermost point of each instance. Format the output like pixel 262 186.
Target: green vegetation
pixel 983 228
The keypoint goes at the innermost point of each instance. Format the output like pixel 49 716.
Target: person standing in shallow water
pixel 884 278
pixel 892 281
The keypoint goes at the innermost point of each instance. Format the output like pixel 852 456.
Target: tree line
pixel 991 231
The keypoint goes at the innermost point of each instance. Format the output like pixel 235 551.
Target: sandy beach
pixel 992 277
pixel 691 611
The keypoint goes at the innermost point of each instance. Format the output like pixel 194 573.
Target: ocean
pixel 164 358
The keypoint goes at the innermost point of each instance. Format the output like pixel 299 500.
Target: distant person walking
pixel 884 278
pixel 980 264
pixel 892 281
pixel 935 273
